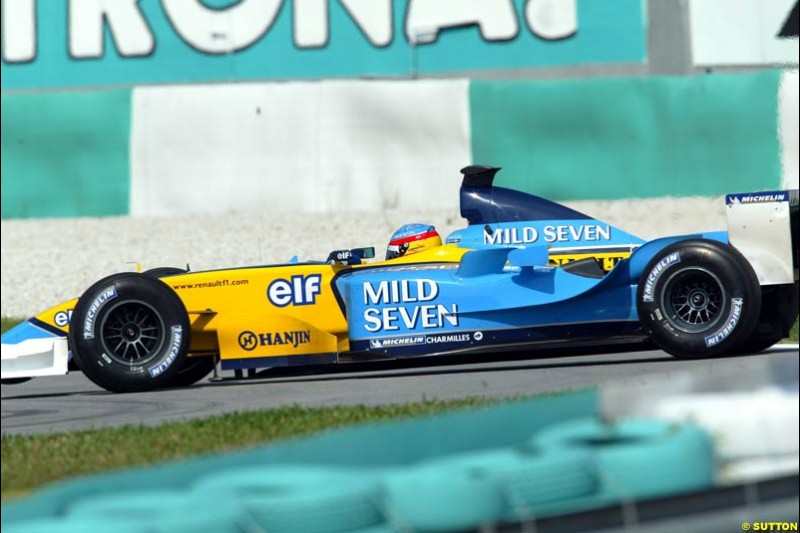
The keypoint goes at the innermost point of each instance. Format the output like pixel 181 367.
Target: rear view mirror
pixel 364 253
pixel 350 257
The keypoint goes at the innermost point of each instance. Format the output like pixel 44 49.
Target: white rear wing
pixel 763 227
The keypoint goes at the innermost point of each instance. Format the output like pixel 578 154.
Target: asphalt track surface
pixel 73 402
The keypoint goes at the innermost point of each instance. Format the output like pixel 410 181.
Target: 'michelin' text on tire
pixel 130 332
pixel 193 369
pixel 699 298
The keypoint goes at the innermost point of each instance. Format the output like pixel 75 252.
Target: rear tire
pixel 130 333
pixel 779 307
pixel 698 298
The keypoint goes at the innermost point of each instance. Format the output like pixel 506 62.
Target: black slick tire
pixel 779 307
pixel 698 298
pixel 129 333
pixel 193 369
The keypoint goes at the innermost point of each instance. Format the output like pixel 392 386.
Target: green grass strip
pixel 8 323
pixel 30 461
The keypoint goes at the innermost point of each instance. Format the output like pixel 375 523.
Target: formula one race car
pixel 526 272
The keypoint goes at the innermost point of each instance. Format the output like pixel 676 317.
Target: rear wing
pixel 763 226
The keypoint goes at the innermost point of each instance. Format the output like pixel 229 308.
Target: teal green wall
pixel 65 154
pixel 630 137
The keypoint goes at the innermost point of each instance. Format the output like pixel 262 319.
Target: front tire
pixel 698 298
pixel 129 333
pixel 193 369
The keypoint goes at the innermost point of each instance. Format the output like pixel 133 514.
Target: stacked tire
pixel 639 459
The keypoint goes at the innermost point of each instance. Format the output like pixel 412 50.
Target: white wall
pixel 305 146
pixel 740 32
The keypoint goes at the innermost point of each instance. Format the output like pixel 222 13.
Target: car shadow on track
pixel 383 374
pixel 410 367
pixel 35 396
pixel 431 366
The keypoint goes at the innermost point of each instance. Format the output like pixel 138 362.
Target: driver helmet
pixel 412 238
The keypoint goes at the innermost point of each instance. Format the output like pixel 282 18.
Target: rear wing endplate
pixel 763 226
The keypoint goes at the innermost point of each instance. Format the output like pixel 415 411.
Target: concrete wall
pixel 320 147
pixel 334 146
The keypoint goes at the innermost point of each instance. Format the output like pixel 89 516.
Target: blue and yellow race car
pixel 525 273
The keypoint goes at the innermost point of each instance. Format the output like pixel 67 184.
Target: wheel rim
pixel 693 299
pixel 132 333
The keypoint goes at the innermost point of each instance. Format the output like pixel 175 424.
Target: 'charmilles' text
pixel 393 318
pixel 529 234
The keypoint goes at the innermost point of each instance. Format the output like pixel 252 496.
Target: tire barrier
pixel 384 528
pixel 566 467
pixel 81 524
pixel 639 458
pixel 433 499
pixel 498 473
pixel 165 511
pixel 377 446
pixel 532 483
pixel 300 499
